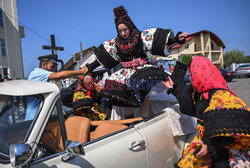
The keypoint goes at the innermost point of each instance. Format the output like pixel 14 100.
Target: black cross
pixel 53 47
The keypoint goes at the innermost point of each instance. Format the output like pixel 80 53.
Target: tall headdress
pixel 129 45
pixel 121 16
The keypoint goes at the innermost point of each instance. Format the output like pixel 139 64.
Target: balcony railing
pixel 207 48
pixel 197 49
pixel 212 48
pixel 216 59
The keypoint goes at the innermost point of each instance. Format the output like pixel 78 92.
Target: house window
pixel 195 47
pixel 1 18
pixel 3 48
pixel 214 57
pixel 212 46
pixel 187 46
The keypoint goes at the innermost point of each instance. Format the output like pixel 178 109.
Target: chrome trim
pixel 75 148
pixel 136 144
pixel 48 157
pixel 106 136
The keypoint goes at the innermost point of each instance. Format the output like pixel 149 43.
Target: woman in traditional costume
pixel 223 125
pixel 128 86
pixel 87 99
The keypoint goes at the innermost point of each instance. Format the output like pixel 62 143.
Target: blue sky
pixel 92 22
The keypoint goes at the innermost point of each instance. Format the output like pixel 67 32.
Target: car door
pixel 162 148
pixel 113 150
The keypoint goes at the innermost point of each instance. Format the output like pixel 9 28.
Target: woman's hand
pixel 203 150
pixel 169 83
pixel 182 36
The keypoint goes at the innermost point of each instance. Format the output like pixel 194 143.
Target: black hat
pixel 49 57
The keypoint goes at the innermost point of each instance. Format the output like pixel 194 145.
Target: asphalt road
pixel 241 88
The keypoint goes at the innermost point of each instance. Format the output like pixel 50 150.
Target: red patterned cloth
pixel 135 62
pixel 205 76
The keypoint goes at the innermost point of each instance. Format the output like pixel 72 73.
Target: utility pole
pixel 54 48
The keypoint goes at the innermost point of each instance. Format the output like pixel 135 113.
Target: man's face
pixel 89 83
pixel 50 66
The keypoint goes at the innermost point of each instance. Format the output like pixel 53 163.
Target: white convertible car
pixel 34 132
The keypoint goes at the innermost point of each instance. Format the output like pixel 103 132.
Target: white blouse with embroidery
pixel 147 37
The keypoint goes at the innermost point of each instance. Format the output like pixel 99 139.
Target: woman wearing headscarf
pixel 87 99
pixel 223 138
pixel 129 48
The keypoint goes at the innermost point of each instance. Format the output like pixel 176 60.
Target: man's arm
pixel 67 74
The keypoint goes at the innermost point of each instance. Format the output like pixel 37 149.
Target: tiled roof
pixel 71 62
pixel 187 39
pixel 215 38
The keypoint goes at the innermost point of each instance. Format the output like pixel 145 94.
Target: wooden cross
pixel 53 46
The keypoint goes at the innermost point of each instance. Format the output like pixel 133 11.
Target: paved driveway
pixel 241 87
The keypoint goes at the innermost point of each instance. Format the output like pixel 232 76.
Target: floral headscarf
pixel 205 76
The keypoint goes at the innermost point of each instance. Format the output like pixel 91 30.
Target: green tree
pixel 245 59
pixel 186 59
pixel 233 56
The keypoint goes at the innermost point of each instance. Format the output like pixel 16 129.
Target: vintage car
pixel 36 132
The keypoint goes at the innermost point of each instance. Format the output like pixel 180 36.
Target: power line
pixel 27 27
pixel 33 30
pixel 70 53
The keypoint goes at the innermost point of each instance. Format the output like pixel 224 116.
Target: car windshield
pixel 16 116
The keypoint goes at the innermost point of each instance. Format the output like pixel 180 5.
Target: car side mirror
pixel 20 154
pixel 75 148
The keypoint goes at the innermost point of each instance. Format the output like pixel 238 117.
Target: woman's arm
pixel 183 92
pixel 216 144
pixel 93 65
pixel 180 38
pixel 160 41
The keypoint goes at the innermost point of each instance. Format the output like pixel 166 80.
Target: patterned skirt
pixel 128 87
pixel 188 160
pixel 239 154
